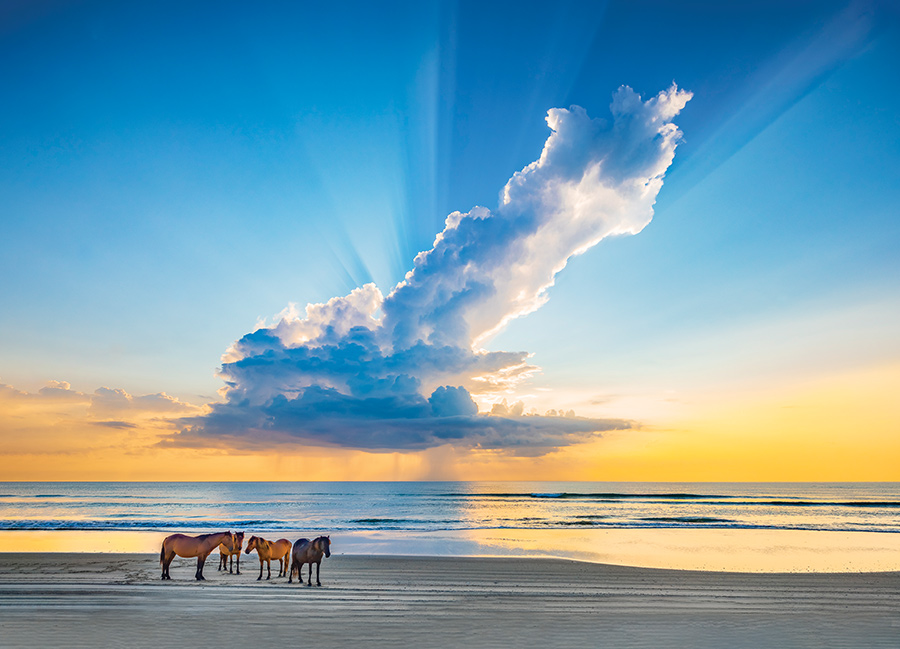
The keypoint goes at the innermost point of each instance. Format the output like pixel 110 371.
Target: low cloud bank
pixel 59 419
pixel 372 371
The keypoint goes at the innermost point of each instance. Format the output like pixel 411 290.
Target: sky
pixel 451 240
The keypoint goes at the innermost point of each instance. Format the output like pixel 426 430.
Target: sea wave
pixel 448 506
pixel 360 525
pixel 699 499
pixel 687 519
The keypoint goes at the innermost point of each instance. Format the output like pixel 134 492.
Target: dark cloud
pixel 114 424
pixel 326 417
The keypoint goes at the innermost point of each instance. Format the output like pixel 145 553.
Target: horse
pixel 192 546
pixel 268 550
pixel 306 551
pixel 225 553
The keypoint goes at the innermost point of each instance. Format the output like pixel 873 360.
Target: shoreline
pixel 90 599
pixel 712 550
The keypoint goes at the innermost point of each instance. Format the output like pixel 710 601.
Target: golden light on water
pixel 80 541
pixel 769 551
pixel 705 549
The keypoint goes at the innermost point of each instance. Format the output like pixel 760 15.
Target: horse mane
pixel 206 536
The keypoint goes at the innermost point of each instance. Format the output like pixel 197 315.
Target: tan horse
pixel 192 546
pixel 225 553
pixel 306 551
pixel 268 550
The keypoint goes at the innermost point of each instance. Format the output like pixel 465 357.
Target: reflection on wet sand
pixel 703 549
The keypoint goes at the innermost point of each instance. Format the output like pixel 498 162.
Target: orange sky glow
pixel 838 428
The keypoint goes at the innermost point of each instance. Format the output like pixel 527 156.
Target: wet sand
pixel 720 550
pixel 79 600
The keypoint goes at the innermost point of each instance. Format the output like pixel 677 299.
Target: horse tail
pixel 162 553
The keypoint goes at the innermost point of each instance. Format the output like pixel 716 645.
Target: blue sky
pixel 171 174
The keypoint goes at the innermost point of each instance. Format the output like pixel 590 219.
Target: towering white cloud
pixel 371 371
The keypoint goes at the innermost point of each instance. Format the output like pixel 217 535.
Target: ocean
pixel 416 507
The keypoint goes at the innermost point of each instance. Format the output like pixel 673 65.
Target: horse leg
pixel 269 568
pixel 239 562
pixel 231 565
pixel 318 583
pixel 200 561
pixel 309 583
pixel 260 569
pixel 291 573
pixel 167 561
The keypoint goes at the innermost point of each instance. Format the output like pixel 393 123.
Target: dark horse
pixel 306 551
pixel 192 546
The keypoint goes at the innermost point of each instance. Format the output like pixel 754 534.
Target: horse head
pixel 251 544
pixel 228 540
pixel 324 543
pixel 238 541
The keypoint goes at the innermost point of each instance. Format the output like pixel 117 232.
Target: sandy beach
pixel 79 600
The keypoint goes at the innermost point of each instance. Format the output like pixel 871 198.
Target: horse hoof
pixel 259 579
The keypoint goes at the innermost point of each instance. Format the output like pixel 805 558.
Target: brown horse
pixel 192 546
pixel 268 550
pixel 225 553
pixel 306 551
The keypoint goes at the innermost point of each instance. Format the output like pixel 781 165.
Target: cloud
pixel 108 402
pixel 398 372
pixel 326 417
pixel 115 424
pixel 59 419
